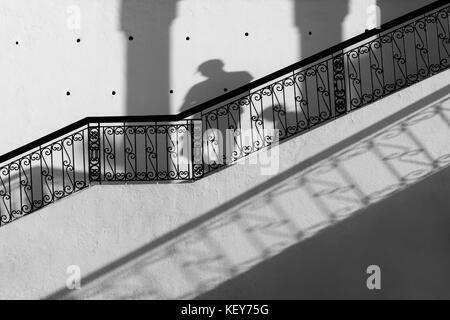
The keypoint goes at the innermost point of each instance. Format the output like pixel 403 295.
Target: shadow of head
pixel 211 68
pixel 216 83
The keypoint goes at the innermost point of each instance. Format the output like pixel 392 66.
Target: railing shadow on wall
pixel 404 235
pixel 285 210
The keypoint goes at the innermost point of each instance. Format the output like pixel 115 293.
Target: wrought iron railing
pixel 194 143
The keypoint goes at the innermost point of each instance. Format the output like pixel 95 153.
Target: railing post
pixel 339 84
pixel 94 153
pixel 197 149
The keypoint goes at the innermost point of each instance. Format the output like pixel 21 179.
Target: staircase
pixel 400 70
pixel 197 142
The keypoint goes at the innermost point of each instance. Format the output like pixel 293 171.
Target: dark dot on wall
pixel 78 40
pixel 68 93
pixel 171 91
pixel 113 93
pixel 130 38
pixel 17 42
pixel 246 34
pixel 225 89
pixel 310 33
pixel 188 38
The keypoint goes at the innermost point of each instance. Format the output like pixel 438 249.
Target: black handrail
pixel 227 96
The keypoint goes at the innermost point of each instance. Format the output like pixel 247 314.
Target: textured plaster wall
pixel 173 241
pixel 182 240
pixel 139 49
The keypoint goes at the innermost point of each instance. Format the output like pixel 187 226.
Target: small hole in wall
pixel 131 38
pixel 171 91
pixel 113 93
pixel 225 89
pixel 17 43
pixel 68 93
pixel 246 34
pixel 310 33
pixel 78 40
pixel 188 38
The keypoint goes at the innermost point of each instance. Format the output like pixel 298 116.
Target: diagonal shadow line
pixel 415 262
pixel 60 294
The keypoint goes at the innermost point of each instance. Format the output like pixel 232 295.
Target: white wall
pixel 48 62
pixel 95 227
pixel 181 240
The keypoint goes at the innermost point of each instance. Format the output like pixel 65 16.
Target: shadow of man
pixel 217 82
